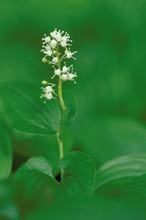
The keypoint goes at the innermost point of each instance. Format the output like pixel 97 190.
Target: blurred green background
pixel 110 38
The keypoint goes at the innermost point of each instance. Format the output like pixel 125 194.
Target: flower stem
pixel 63 109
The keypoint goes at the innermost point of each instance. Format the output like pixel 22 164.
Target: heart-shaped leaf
pixel 79 174
pixel 26 112
pixel 35 184
pixel 5 154
pixel 35 172
pixel 35 180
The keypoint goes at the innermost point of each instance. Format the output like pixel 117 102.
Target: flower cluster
pixel 48 91
pixel 51 48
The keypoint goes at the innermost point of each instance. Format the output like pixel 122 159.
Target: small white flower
pixel 48 89
pixel 46 39
pixel 63 43
pixel 64 77
pixel 65 38
pixel 47 50
pixel 70 54
pixel 47 47
pixel 57 72
pixel 55 60
pixel 48 53
pixel 53 43
pixel 53 34
pixel 58 36
pixel 65 69
pixel 71 76
pixel 49 96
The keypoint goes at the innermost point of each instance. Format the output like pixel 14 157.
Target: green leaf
pixel 123 177
pixel 70 112
pixel 79 174
pixel 36 174
pixel 26 112
pixel 121 167
pixel 5 154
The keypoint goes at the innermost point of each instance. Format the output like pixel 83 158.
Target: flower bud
pixel 44 60
pixel 44 82
pixel 54 52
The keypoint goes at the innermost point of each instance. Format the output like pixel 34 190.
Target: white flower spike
pixel 52 45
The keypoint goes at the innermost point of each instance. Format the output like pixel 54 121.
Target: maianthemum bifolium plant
pixel 34 184
pixel 56 48
pixel 58 108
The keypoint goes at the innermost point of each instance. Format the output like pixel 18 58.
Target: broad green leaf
pixel 79 174
pixel 124 178
pixel 5 153
pixel 36 174
pixel 26 112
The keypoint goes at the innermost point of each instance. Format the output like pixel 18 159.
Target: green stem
pixel 63 108
pixel 60 143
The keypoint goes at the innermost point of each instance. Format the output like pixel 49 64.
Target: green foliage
pixel 5 153
pixel 26 112
pixel 121 167
pixel 36 175
pixel 79 175
pixel 123 177
pixel 110 38
pixel 78 170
